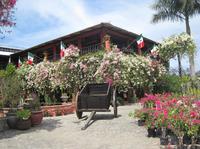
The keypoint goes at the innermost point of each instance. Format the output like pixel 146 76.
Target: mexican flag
pixel 19 63
pixel 140 42
pixel 62 48
pixel 30 58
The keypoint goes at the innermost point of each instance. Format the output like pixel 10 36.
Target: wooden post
pixel 54 53
pixel 79 43
pixel 102 34
pixel 45 56
pixel 107 43
pixel 139 51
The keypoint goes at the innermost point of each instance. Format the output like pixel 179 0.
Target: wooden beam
pixel 111 32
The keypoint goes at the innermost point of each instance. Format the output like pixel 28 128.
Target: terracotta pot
pixel 36 117
pixel 23 124
pixel 1 113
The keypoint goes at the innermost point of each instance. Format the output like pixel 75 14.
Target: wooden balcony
pixel 91 48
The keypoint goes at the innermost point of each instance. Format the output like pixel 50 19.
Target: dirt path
pixel 65 132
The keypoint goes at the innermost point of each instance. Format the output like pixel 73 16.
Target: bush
pixel 168 83
pixel 10 86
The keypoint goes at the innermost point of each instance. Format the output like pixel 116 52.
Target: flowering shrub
pixel 66 72
pixel 72 72
pixel 88 65
pixel 39 77
pixel 23 73
pixel 182 44
pixel 128 70
pixel 111 67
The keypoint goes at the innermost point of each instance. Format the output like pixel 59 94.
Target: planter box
pixel 58 110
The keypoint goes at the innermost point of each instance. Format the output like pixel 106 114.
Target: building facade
pixel 5 53
pixel 88 40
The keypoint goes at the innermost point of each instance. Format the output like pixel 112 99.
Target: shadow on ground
pixel 98 117
pixel 47 124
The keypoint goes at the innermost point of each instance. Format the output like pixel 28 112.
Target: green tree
pixel 178 10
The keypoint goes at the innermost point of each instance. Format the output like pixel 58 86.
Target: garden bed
pixel 58 110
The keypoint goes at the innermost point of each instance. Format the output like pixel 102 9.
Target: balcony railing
pixel 91 48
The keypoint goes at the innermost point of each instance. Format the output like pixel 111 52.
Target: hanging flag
pixel 140 42
pixel 30 58
pixel 19 63
pixel 62 48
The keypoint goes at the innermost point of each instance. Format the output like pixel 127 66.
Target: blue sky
pixel 38 21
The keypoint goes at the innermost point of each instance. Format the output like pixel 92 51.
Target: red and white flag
pixel 62 48
pixel 140 42
pixel 30 58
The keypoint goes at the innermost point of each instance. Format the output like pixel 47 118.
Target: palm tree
pixel 178 10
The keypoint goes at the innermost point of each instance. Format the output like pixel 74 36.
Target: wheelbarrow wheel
pixel 79 114
pixel 114 103
pixel 115 108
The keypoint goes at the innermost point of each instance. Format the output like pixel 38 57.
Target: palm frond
pixel 166 16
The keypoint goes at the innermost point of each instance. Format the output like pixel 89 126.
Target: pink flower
pixel 71 66
pixel 165 112
pixel 193 114
pixel 196 122
pixel 158 105
pixel 197 103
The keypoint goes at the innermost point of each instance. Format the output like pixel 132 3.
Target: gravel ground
pixel 64 132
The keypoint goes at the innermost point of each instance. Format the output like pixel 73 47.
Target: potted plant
pixel 141 115
pixel 11 89
pixel 150 123
pixel 36 111
pixel 24 121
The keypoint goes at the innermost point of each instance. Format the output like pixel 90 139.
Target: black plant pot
pixel 187 140
pixel 173 140
pixel 158 132
pixel 151 132
pixel 141 122
pixel 198 140
pixel 24 124
pixel 11 120
pixel 164 141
